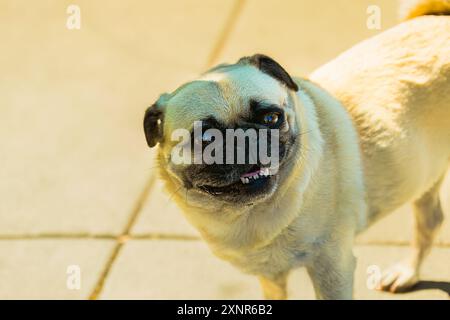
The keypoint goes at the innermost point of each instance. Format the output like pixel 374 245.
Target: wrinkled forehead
pixel 247 82
pixel 225 94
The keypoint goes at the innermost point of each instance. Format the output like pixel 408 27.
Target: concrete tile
pixel 37 269
pixel 187 270
pixel 160 215
pixel 303 34
pixel 171 269
pixel 398 226
pixel 74 157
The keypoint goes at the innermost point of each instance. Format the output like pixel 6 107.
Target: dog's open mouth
pixel 254 174
pixel 255 180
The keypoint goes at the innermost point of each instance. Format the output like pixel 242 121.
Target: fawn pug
pixel 368 132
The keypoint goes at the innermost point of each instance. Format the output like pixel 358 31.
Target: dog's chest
pixel 279 256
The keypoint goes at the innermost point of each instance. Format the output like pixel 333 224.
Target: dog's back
pixel 395 86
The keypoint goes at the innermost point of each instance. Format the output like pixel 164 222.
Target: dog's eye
pixel 270 118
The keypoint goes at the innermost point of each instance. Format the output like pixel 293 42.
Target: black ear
pixel 272 68
pixel 153 125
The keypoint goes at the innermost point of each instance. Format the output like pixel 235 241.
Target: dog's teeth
pixel 243 180
pixel 246 180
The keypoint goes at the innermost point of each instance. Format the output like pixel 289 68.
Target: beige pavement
pixel 168 269
pixel 42 268
pixel 77 182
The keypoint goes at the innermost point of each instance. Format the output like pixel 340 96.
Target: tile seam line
pixel 120 238
pixel 56 236
pixel 96 291
pixel 170 236
pixel 398 243
pixel 225 33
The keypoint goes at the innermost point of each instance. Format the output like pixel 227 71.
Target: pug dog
pixel 367 132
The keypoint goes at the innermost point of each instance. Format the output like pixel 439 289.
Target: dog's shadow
pixel 429 285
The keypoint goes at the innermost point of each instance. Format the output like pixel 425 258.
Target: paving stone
pixel 160 215
pixel 38 269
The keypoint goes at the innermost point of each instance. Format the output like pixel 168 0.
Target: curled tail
pixel 414 8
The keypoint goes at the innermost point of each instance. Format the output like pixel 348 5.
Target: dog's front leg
pixel 274 287
pixel 331 272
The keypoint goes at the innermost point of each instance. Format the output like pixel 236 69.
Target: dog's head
pixel 203 128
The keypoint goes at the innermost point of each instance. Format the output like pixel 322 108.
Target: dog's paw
pixel 398 278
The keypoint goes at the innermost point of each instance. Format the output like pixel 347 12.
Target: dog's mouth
pixel 255 181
